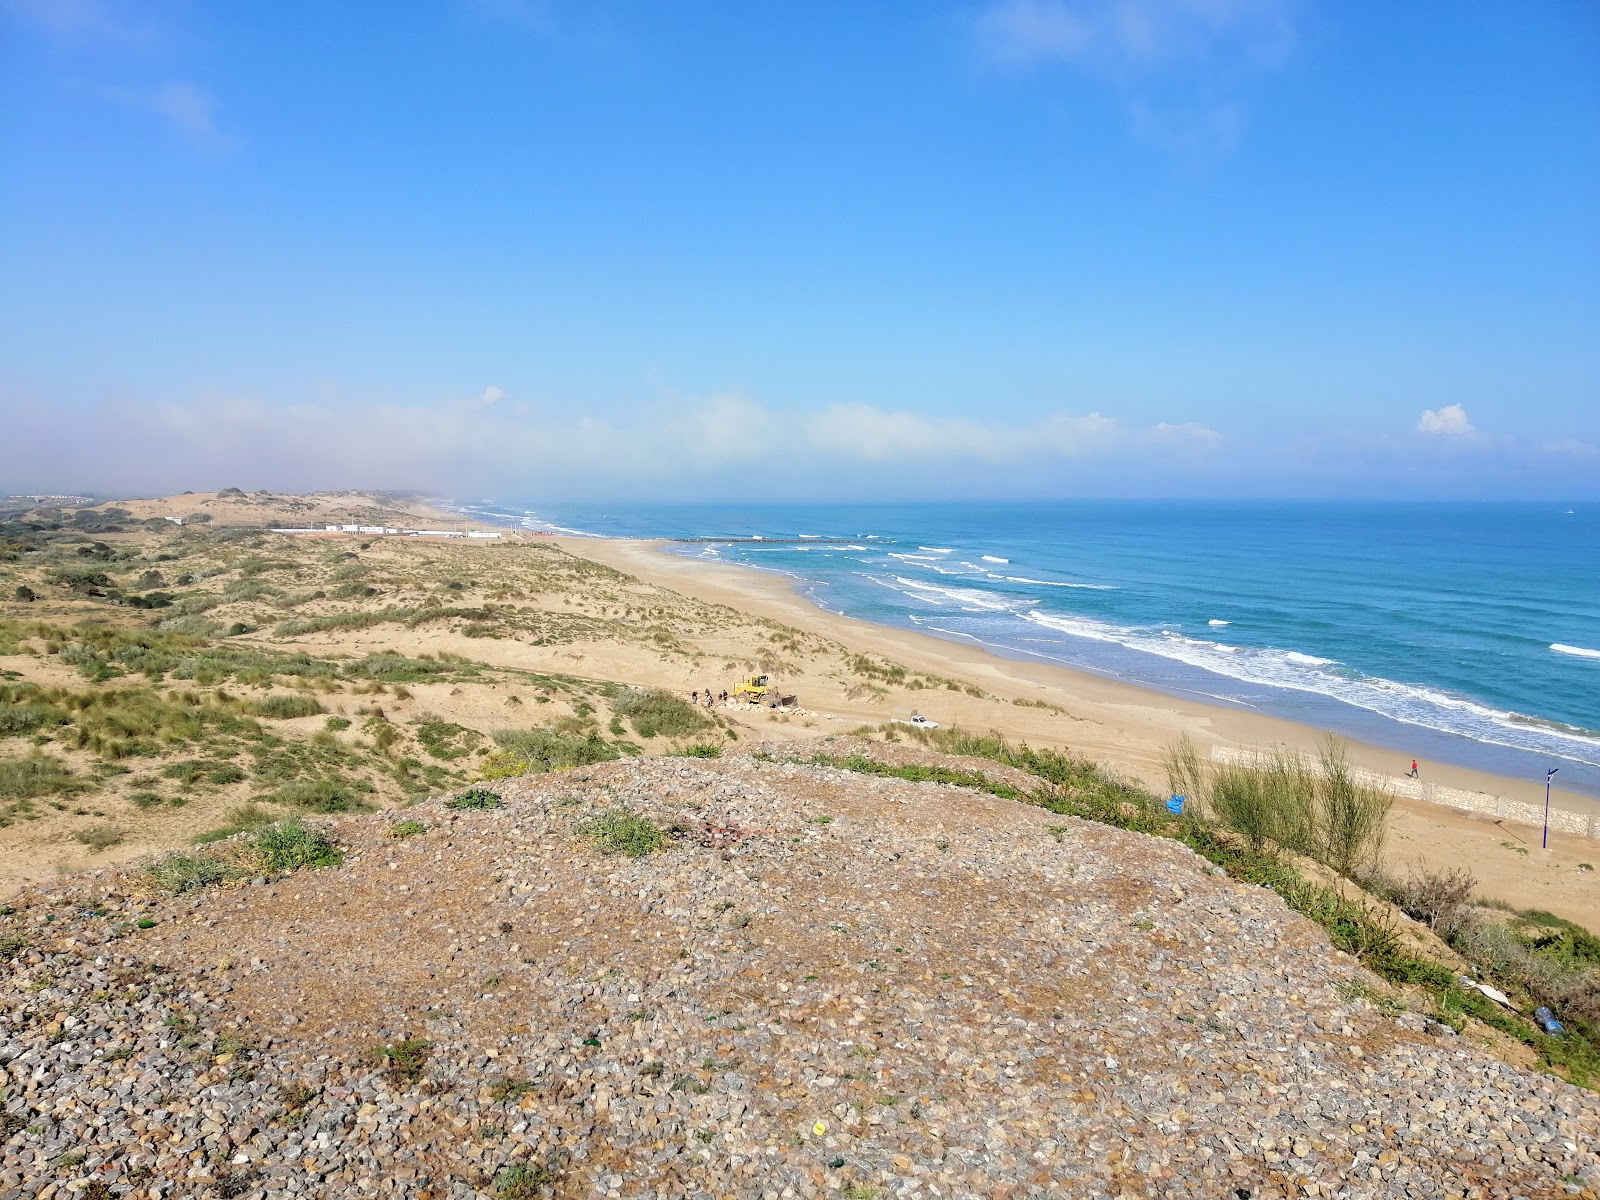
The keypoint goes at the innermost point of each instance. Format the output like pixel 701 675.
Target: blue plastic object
pixel 1547 1021
pixel 1175 805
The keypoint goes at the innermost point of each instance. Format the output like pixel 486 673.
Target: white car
pixel 921 722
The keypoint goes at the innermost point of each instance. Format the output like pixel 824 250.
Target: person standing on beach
pixel 1413 771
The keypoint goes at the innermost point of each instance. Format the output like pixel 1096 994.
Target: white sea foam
pixel 1218 623
pixel 1407 703
pixel 855 547
pixel 936 549
pixel 912 557
pixel 993 558
pixel 968 599
pixel 810 535
pixel 1092 587
pixel 1575 651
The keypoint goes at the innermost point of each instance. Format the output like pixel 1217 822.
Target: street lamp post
pixel 1548 775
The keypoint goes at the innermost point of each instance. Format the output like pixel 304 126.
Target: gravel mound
pixel 819 983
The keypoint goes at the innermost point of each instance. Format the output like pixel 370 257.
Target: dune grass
pixel 1567 976
pixel 658 714
pixel 535 751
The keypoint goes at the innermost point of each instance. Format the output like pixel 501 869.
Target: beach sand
pixel 1128 728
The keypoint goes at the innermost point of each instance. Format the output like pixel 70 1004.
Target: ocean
pixel 1468 633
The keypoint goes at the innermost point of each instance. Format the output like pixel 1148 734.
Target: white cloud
pixel 190 108
pixel 1129 35
pixel 1187 434
pixel 171 445
pixel 1180 66
pixel 76 19
pixel 1449 421
pixel 491 396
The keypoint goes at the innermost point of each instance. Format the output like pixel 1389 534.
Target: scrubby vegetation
pixel 534 751
pixel 1532 955
pixel 623 831
pixel 658 714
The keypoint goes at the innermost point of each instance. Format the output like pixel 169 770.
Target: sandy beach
pixel 1128 728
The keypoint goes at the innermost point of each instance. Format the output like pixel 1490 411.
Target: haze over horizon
pixel 991 248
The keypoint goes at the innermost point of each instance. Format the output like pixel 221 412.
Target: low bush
pixel 241 820
pixel 288 705
pixel 99 837
pixel 659 714
pixel 623 831
pixel 535 751
pixel 700 750
pixel 405 1061
pixel 292 844
pixel 405 829
pixel 320 796
pixel 35 775
pixel 475 798
pixel 180 872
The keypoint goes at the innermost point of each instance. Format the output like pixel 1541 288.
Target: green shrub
pixel 659 714
pixel 293 844
pixel 99 837
pixel 623 831
pixel 145 800
pixel 225 773
pixel 1352 819
pixel 405 829
pixel 523 1182
pixel 700 750
pixel 534 751
pixel 178 873
pixel 475 798
pixel 35 775
pixel 335 724
pixel 319 795
pixel 406 1061
pixel 443 740
pixel 286 706
pixel 18 720
pixel 241 820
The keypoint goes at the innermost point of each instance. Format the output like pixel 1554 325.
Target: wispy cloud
pixel 79 20
pixel 190 109
pixel 490 437
pixel 1181 67
pixel 1449 421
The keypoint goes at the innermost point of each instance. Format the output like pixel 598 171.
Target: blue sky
pixel 643 250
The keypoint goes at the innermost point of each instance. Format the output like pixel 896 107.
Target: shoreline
pixel 1127 728
pixel 1216 723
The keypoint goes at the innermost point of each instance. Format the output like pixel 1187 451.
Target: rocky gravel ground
pixel 820 984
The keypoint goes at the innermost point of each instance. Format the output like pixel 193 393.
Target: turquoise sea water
pixel 1469 633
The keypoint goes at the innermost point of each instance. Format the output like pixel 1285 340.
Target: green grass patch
pixel 441 739
pixel 476 798
pixel 34 775
pixel 319 795
pixel 286 706
pixel 243 819
pixel 700 750
pixel 535 751
pixel 293 844
pixel 623 831
pixel 405 1062
pixel 180 872
pixel 659 714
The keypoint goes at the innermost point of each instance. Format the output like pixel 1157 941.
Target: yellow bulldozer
pixel 754 689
